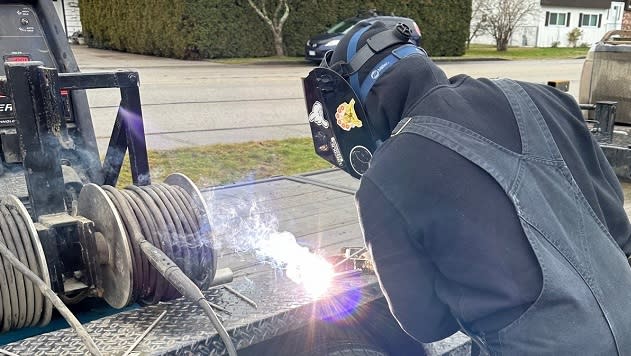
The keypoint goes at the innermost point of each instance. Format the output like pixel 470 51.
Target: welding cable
pixel 31 264
pixel 189 232
pixel 203 251
pixel 161 239
pixel 48 292
pixel 7 282
pixel 19 294
pixel 21 304
pixel 162 214
pixel 135 218
pixel 171 234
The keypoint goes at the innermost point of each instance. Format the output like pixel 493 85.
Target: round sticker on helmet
pixel 360 157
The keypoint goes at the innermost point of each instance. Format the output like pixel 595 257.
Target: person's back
pixel 464 225
pixel 491 209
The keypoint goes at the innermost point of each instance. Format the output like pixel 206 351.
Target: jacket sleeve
pixel 406 274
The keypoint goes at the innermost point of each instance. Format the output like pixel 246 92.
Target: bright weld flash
pixel 310 270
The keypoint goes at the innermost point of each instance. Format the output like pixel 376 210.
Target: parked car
pixel 318 45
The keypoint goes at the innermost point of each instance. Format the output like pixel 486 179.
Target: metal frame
pixel 38 107
pixel 45 143
pixel 603 123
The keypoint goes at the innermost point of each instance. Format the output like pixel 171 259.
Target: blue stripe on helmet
pixel 351 50
pixel 384 65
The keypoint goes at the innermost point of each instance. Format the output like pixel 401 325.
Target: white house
pixel 552 20
pixel 68 11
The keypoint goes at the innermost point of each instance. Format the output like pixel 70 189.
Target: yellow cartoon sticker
pixel 346 116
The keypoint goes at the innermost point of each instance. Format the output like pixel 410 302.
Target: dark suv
pixel 318 45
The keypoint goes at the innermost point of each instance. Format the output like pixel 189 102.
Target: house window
pixel 557 19
pixel 589 20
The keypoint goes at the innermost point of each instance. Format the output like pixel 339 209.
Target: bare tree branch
pixel 503 17
pixel 275 23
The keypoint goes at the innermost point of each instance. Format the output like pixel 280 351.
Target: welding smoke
pixel 246 227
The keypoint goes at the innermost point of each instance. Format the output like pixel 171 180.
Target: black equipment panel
pixel 32 30
pixel 22 39
pixel 22 36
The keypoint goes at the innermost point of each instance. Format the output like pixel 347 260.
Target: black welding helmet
pixel 335 93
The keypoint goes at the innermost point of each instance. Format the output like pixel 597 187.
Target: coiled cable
pixel 171 249
pixel 26 297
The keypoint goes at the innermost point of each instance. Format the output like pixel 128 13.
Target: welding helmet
pixel 335 93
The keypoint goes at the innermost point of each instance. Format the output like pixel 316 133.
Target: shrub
pixel 573 36
pixel 192 29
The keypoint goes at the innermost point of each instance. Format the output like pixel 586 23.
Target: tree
pixel 503 16
pixel 478 22
pixel 275 22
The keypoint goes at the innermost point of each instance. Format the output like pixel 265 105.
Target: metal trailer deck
pixel 318 208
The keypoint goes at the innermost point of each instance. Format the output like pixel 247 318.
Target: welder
pixel 486 203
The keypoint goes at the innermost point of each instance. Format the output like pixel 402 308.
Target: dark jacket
pixel 445 238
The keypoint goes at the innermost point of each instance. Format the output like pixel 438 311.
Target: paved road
pixel 191 103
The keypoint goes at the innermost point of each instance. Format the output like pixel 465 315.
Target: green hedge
pixel 230 28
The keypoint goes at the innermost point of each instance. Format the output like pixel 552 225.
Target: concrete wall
pixel 73 19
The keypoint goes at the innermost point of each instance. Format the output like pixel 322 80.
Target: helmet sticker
pixel 337 152
pixel 360 157
pixel 317 115
pixel 346 116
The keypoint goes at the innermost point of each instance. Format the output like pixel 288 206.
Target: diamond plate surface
pixel 13 183
pixel 185 330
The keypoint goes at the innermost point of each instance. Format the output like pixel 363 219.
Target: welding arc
pixel 171 254
pixel 25 275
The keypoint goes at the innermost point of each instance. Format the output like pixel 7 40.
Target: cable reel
pixel 170 216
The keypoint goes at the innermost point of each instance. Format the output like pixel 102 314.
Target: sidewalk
pixel 92 58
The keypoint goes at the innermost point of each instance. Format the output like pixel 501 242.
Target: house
pixel 68 11
pixel 551 20
pixel 593 17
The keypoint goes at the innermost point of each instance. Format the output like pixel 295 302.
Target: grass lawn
pixel 476 51
pixel 230 163
pixel 482 51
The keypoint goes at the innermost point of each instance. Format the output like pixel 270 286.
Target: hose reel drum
pixel 172 216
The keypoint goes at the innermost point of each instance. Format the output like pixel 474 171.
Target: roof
pixel 590 4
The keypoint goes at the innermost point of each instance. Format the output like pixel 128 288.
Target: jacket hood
pixel 399 88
